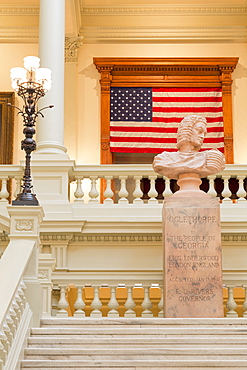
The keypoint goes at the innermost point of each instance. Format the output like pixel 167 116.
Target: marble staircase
pixel 137 344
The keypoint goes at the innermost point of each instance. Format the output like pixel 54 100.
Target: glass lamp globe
pixel 18 75
pixel 31 63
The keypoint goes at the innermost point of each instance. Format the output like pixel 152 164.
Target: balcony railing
pixel 129 299
pixel 139 184
pixel 131 184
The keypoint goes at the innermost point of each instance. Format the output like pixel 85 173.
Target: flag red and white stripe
pixel 145 120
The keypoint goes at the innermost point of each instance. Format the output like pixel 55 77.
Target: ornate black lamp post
pixel 31 83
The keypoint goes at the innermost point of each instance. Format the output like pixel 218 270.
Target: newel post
pixel 24 228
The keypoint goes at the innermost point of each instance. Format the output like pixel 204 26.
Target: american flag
pixel 145 120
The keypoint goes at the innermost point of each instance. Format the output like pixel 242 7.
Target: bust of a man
pixel 191 133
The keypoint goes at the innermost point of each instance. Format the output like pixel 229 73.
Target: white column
pixel 50 130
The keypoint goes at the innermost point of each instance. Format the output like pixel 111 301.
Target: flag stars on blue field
pixel 135 102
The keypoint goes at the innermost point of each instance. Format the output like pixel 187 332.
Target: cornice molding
pixel 123 238
pixel 164 10
pixel 236 238
pixel 14 10
pixel 193 28
pixel 164 33
pixel 19 34
pixel 151 238
pixel 53 237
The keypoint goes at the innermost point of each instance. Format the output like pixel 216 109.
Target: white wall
pixel 89 88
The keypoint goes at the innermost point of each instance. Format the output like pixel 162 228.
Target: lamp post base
pixel 25 199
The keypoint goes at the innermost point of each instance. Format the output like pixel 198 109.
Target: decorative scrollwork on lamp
pixel 31 83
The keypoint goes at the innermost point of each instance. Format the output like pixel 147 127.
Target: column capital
pixel 71 47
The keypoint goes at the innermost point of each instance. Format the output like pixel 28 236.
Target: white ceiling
pixel 132 20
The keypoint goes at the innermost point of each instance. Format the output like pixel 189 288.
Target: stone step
pixel 155 322
pixel 137 364
pixel 129 367
pixel 137 344
pixel 143 331
pixel 136 353
pixel 127 342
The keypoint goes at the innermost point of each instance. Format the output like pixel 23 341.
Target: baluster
pixel 62 303
pixel 13 316
pixel 7 331
pixel 108 193
pixel 4 192
pixel 231 304
pixel 226 193
pixel 152 192
pixel 96 304
pixel 113 303
pixel 3 354
pixel 17 310
pixel 22 292
pixel 12 328
pixel 79 303
pixel 79 194
pixel 55 296
pixel 241 193
pixel 4 347
pixel 19 303
pixel 245 301
pixel 161 303
pixel 22 299
pixel 167 192
pixel 93 194
pixel 129 304
pixel 211 191
pixel 146 304
pixel 138 193
pixel 18 186
pixel 123 193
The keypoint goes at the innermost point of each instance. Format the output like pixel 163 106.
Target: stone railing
pixel 8 172
pixel 20 289
pixel 124 184
pixel 139 184
pixel 129 298
pixel 15 312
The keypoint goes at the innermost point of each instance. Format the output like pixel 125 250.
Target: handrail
pixel 15 312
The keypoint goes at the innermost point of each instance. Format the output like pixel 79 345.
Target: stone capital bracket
pixel 71 47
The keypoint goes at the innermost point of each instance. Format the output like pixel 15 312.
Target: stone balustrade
pixel 135 184
pixel 138 184
pixel 130 299
pixel 20 290
pixel 12 322
pixel 7 173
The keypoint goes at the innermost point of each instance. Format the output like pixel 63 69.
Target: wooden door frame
pixel 7 127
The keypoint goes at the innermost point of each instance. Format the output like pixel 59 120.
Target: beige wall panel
pixel 126 256
pixel 234 256
pixel 115 257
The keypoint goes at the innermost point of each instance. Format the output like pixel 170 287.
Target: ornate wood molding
pixel 165 72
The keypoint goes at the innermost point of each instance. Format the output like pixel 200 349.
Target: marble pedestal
pixel 192 256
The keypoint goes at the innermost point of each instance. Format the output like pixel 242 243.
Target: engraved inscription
pixel 192 262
